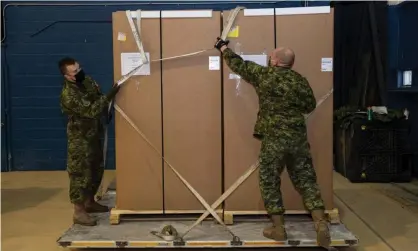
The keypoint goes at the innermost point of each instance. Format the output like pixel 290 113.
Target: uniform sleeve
pixel 95 85
pixel 75 103
pixel 99 91
pixel 310 101
pixel 248 70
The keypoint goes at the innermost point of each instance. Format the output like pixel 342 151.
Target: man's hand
pixel 221 45
pixel 116 87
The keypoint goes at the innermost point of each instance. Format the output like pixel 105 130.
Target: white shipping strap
pixel 135 33
pixel 325 97
pixel 182 56
pixel 124 78
pixel 231 18
pixel 321 100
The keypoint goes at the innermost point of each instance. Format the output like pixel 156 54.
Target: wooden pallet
pixel 116 214
pixel 228 216
pixel 206 235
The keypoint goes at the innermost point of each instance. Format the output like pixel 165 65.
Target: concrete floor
pixel 36 211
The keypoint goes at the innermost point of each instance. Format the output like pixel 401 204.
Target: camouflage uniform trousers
pixel 293 153
pixel 85 168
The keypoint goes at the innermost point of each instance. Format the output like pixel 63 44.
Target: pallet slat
pixel 227 216
pixel 116 215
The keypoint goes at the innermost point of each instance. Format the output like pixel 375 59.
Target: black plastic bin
pixel 374 151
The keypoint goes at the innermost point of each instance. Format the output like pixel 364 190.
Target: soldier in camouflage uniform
pixel 285 97
pixel 85 106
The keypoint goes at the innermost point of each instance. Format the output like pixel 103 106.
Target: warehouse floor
pixel 36 211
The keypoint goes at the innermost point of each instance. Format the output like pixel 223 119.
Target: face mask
pixel 80 76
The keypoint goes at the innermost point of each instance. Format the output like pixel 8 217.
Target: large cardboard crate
pixel 196 117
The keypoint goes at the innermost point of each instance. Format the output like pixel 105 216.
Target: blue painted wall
pixel 36 38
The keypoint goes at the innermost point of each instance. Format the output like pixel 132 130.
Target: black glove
pixel 112 93
pixel 219 43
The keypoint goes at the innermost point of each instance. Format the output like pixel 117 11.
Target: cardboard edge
pixel 258 12
pixel 247 12
pixel 187 14
pixel 175 14
pixel 303 10
pixel 147 14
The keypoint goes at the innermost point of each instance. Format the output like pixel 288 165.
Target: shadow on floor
pixel 22 198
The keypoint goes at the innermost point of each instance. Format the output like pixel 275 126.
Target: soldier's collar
pixel 76 84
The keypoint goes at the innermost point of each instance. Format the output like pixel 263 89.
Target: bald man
pixel 285 97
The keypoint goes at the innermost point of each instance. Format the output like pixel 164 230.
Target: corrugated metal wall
pixel 36 37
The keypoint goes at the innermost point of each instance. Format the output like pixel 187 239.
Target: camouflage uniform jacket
pixel 85 106
pixel 284 95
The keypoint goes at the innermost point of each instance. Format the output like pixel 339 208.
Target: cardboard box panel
pixel 139 169
pixel 192 110
pixel 255 34
pixel 311 38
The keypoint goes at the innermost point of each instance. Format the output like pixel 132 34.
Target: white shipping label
pixel 326 64
pixel 131 60
pixel 214 63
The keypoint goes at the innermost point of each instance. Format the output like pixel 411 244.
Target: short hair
pixel 63 63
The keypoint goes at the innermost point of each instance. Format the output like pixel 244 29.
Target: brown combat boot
pixel 321 227
pixel 93 207
pixel 276 232
pixel 81 217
